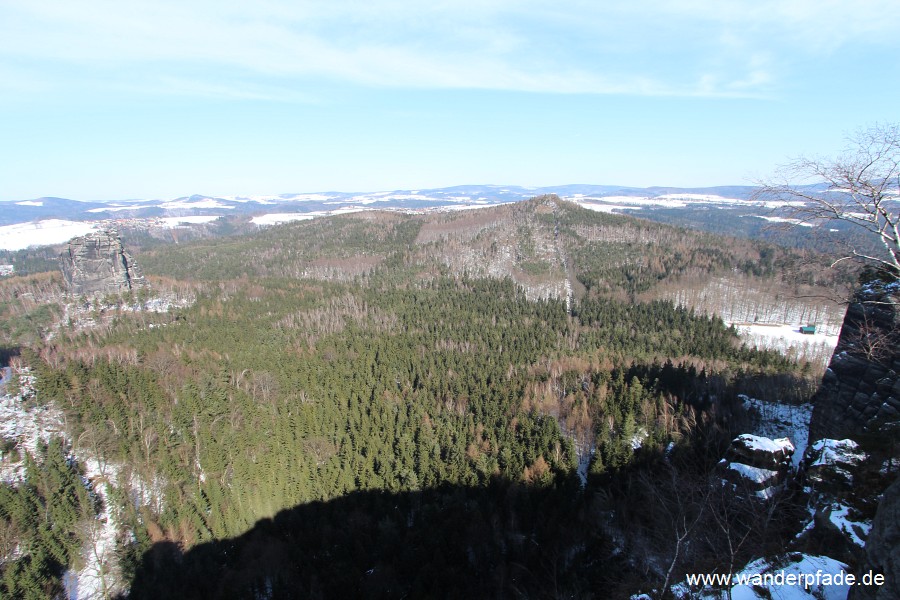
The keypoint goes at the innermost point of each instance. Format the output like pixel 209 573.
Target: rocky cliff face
pixel 98 263
pixel 860 393
pixel 883 550
pixel 860 399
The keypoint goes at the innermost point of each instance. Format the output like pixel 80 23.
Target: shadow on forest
pixel 498 541
pixel 550 539
pixel 502 540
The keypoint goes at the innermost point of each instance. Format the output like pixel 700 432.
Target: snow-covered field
pixel 50 232
pixel 172 222
pixel 786 220
pixel 605 208
pixel 275 218
pixel 788 340
pixel 116 208
pixel 670 201
pixel 789 333
pixel 457 207
pixel 191 203
pixel 42 233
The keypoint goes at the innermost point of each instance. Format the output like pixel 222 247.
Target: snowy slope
pixel 42 233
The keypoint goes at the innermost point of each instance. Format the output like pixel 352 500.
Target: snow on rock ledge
pixel 830 463
pixel 757 463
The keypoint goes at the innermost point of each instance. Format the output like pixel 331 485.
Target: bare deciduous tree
pixel 861 187
pixel 873 342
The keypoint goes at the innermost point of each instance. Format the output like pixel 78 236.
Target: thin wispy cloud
pixel 113 98
pixel 689 48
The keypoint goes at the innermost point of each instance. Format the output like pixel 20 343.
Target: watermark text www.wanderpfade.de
pixel 784 578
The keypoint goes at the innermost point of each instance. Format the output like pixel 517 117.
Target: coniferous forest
pixel 397 407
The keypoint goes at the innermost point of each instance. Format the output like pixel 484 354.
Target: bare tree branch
pixel 860 187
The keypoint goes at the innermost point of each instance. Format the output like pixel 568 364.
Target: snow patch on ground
pixel 27 424
pixel 803 565
pixel 637 440
pixel 100 577
pixel 367 199
pixel 584 465
pixel 344 210
pixel 762 579
pixel 162 304
pixel 305 197
pixel 856 530
pixel 90 315
pixel 676 201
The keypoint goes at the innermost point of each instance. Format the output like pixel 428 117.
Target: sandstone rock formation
pixel 883 550
pixel 859 399
pixel 860 393
pixel 757 464
pixel 98 263
pixel 832 464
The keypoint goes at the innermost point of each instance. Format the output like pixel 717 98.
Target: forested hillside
pixel 468 403
pixel 549 247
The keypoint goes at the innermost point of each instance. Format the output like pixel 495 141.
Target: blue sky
pixel 155 99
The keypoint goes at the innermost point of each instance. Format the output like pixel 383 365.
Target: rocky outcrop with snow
pixel 859 402
pixel 834 471
pixel 831 464
pixel 758 464
pixel 780 420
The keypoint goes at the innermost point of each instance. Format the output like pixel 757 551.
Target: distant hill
pixel 461 195
pixel 730 210
pixel 550 247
